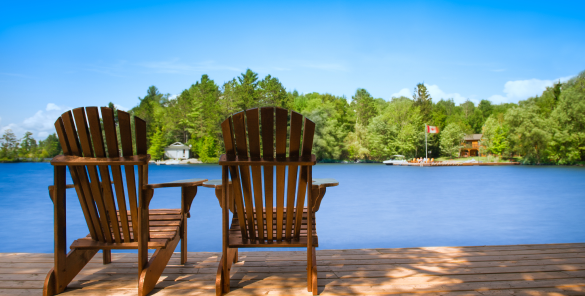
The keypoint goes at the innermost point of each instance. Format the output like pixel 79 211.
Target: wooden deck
pixel 554 269
pixel 437 164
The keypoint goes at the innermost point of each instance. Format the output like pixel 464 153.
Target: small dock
pixel 551 269
pixel 434 164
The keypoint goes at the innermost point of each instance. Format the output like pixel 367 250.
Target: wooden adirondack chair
pixel 257 221
pixel 115 220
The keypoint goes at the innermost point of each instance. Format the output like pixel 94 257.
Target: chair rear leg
pixel 107 256
pixel 183 234
pixel 222 278
pixel 314 273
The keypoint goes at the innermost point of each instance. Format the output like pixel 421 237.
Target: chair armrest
pixel 178 183
pixel 66 186
pixel 78 160
pixel 325 182
pixel 188 191
pixel 217 185
pixel 52 186
pixel 319 188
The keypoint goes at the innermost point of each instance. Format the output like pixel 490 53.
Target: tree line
pixel 548 128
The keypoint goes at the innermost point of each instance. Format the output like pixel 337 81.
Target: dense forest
pixel 549 128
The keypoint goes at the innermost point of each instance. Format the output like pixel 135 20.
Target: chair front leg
pixel 187 196
pixel 143 230
pixel 67 265
pixel 60 230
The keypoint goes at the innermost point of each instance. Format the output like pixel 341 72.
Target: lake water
pixel 375 206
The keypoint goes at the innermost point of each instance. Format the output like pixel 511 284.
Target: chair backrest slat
pixel 253 124
pixel 127 150
pixel 272 125
pixel 228 139
pixel 268 153
pixel 113 151
pixel 82 173
pixel 242 152
pixel 93 118
pixel 60 128
pixel 95 186
pixel 308 133
pixel 296 126
pixel 106 216
pixel 280 144
pixel 140 132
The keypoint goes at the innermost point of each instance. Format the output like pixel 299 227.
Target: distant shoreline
pixel 47 160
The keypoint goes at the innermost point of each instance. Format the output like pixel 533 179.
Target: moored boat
pixel 395 160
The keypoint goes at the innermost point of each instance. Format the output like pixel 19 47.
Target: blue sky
pixel 60 55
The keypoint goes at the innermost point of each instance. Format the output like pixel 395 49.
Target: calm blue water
pixel 375 206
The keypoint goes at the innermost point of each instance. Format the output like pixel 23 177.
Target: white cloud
pixel 172 97
pixel 120 107
pixel 41 124
pixel 405 92
pixel 51 106
pixel 435 92
pixel 517 90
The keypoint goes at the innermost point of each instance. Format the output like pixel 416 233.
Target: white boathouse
pixel 177 150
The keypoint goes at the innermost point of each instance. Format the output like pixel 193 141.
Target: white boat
pixel 395 160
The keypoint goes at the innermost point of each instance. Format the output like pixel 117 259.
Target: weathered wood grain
pixel 556 270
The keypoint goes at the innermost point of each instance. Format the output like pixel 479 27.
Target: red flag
pixel 432 129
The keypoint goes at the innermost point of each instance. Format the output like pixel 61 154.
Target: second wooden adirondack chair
pixel 115 220
pixel 257 220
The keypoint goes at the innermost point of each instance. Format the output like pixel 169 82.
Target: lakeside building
pixel 470 145
pixel 177 150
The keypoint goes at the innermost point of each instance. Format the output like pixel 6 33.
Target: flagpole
pixel 426 144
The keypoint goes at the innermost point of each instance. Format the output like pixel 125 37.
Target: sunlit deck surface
pixel 552 269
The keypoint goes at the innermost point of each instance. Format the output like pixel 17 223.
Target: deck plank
pixel 552 269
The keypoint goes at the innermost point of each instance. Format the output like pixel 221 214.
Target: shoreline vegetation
pixel 544 129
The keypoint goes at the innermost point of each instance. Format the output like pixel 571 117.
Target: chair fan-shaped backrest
pixel 269 130
pixel 109 215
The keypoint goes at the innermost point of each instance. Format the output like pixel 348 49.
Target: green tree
pixel 157 144
pixel 423 100
pixel 206 148
pixel 9 148
pixel 272 93
pixel 28 146
pixel 364 106
pixel 247 95
pixel 495 136
pixel 150 109
pixel 530 133
pixel 50 147
pixel 451 138
pixel 404 121
pixel 228 99
pixel 331 123
pixel 568 141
